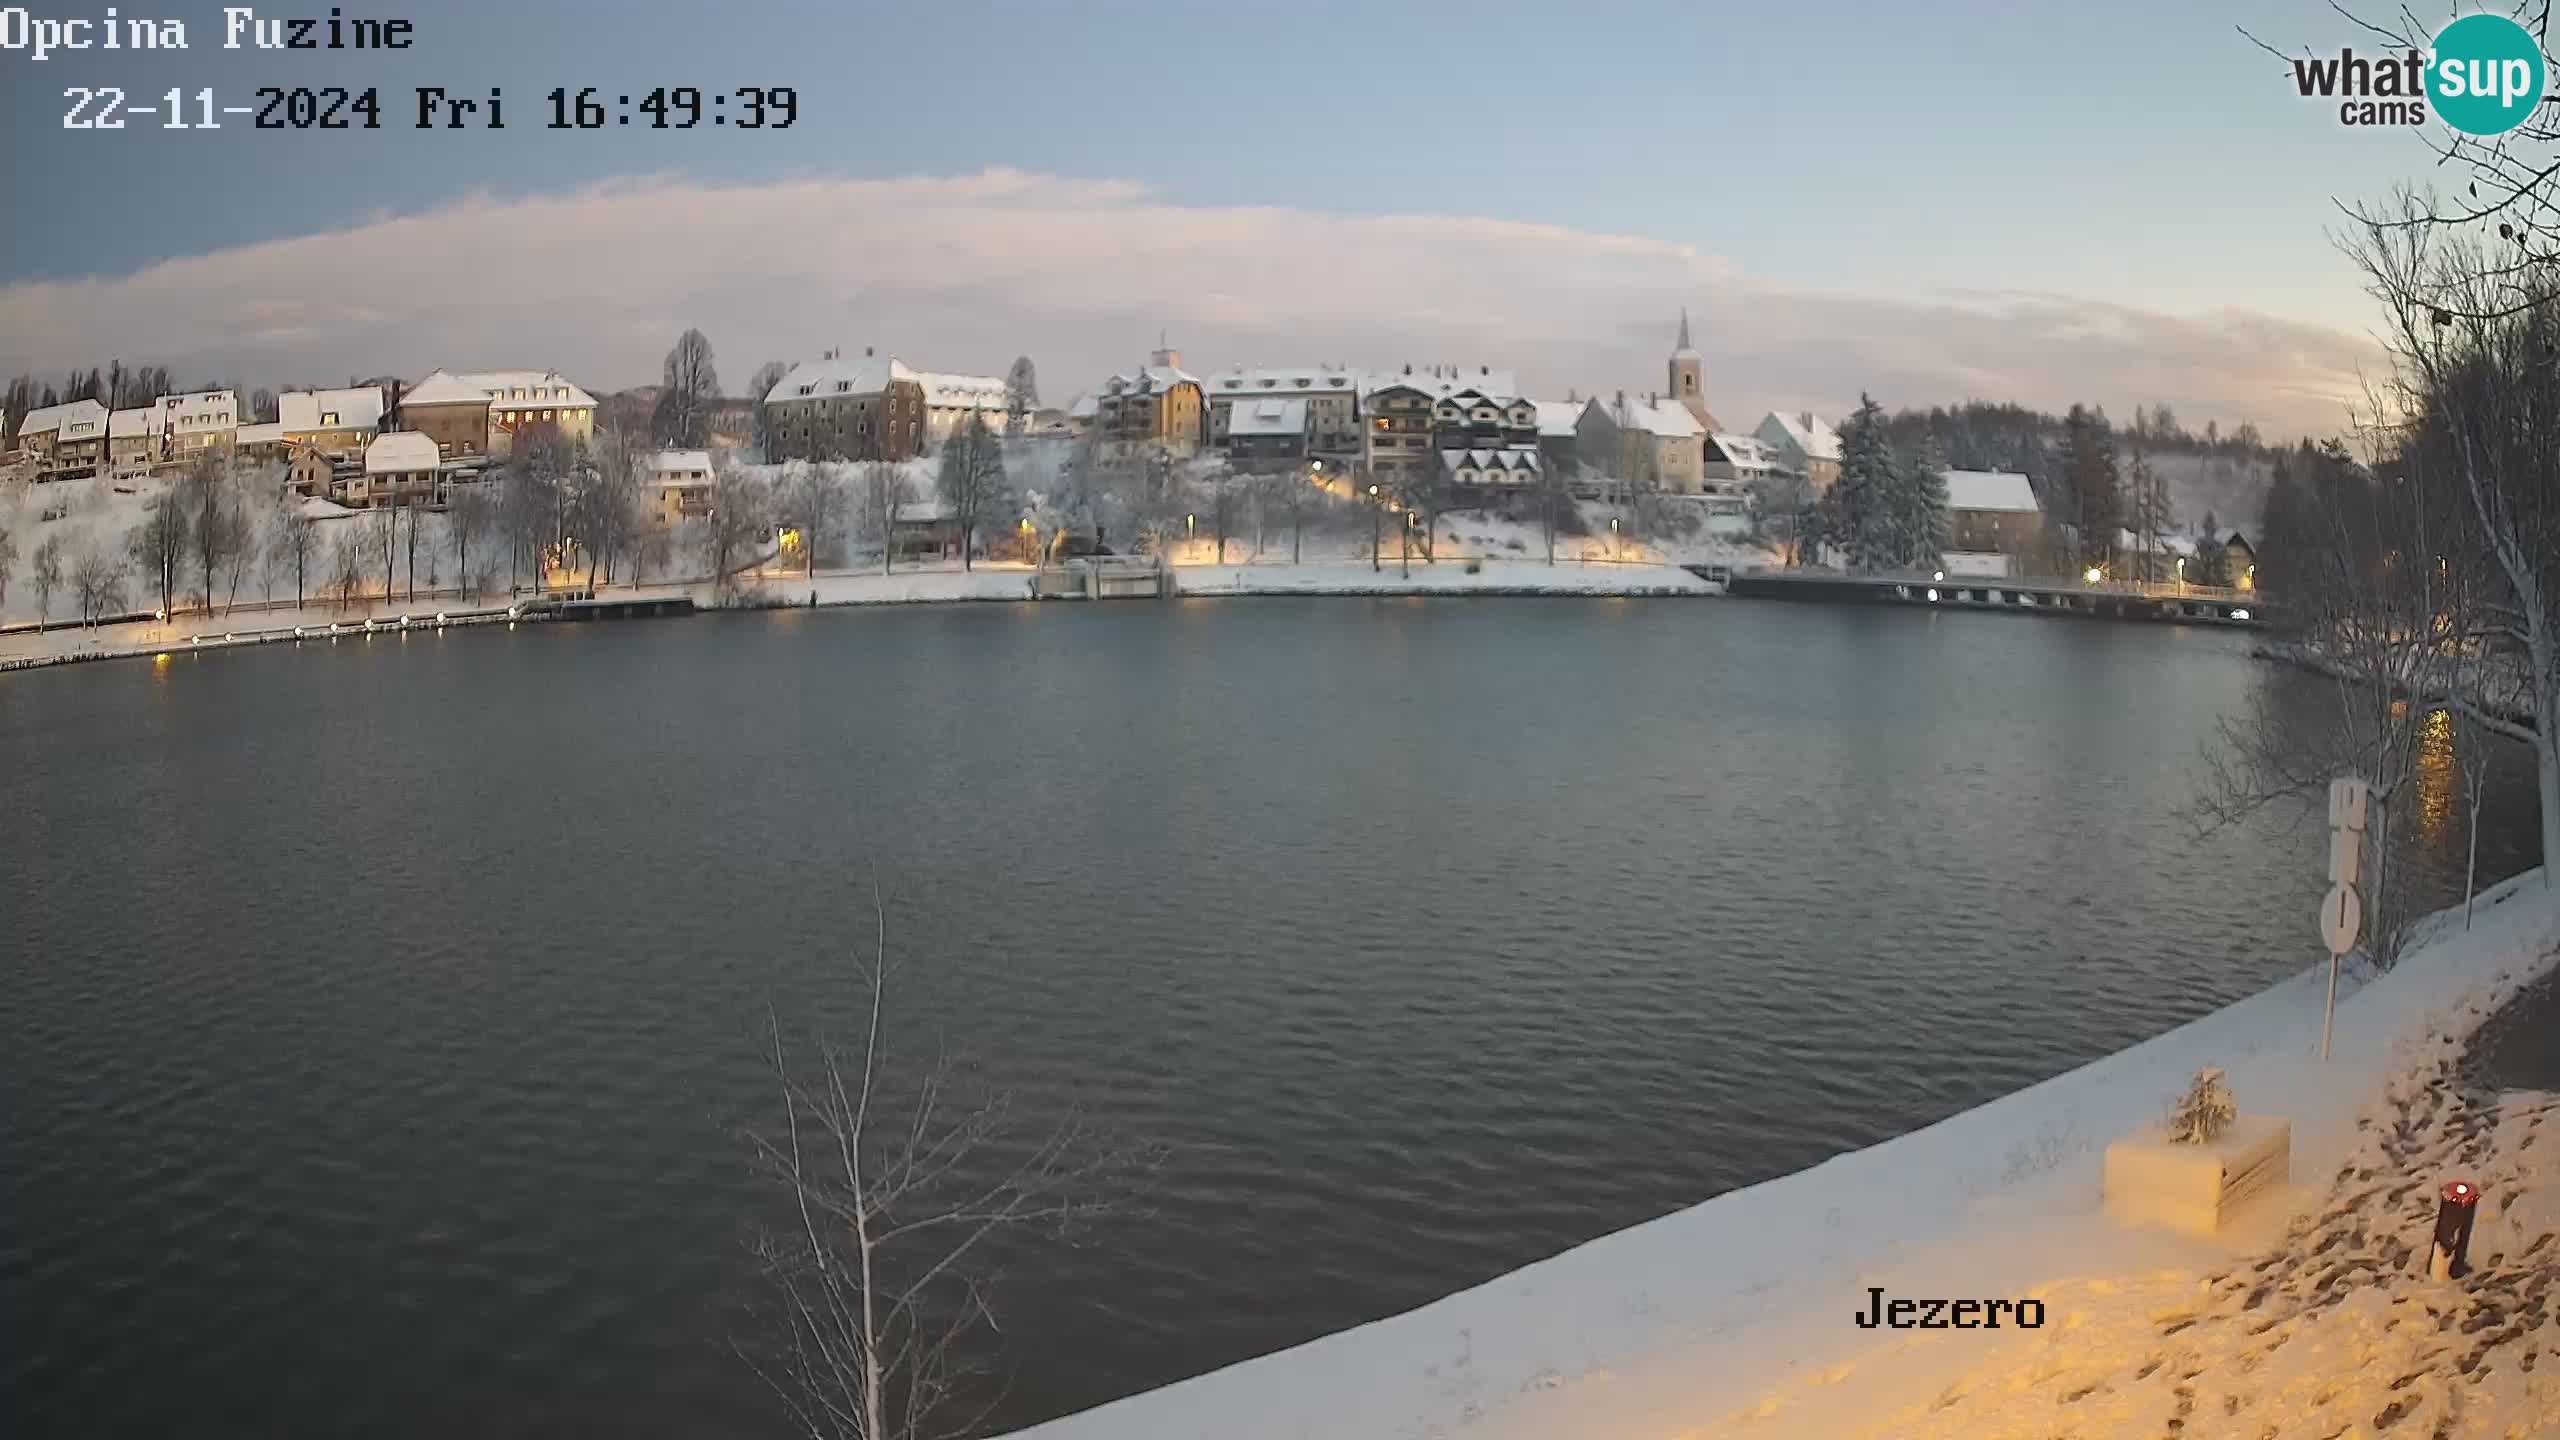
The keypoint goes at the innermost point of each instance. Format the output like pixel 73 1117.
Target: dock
pixel 2169 604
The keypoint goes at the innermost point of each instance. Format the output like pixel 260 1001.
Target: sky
pixel 2122 205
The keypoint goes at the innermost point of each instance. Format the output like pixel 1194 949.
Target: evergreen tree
pixel 2088 486
pixel 1862 514
pixel 1923 526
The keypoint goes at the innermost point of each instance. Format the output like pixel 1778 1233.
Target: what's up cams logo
pixel 2483 76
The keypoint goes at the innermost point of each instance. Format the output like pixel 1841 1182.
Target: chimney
pixel 866 352
pixel 1805 418
pixel 1484 369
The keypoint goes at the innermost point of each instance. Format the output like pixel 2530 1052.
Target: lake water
pixel 379 1019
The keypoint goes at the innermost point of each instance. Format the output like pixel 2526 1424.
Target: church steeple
pixel 1688 377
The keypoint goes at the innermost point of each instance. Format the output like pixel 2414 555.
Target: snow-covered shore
pixel 988 581
pixel 1735 1317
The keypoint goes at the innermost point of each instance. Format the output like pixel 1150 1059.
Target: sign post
pixel 2342 909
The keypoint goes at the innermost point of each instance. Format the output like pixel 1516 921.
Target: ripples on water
pixel 377 1020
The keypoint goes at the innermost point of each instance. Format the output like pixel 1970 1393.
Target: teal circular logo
pixel 2485 75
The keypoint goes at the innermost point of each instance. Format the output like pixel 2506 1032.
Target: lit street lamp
pixel 2092 575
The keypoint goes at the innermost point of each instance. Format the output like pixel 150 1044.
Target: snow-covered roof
pixel 124 424
pixel 270 433
pixel 924 512
pixel 1322 380
pixel 1745 452
pixel 1447 381
pixel 315 508
pixel 60 417
pixel 1662 419
pixel 1509 457
pixel 843 375
pixel 1560 417
pixel 1154 379
pixel 666 462
pixel 1804 431
pixel 501 389
pixel 400 452
pixel 1081 408
pixel 359 408
pixel 1995 490
pixel 962 392
pixel 1271 416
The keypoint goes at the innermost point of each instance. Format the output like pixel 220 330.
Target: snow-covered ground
pixel 1448 577
pixel 2309 1316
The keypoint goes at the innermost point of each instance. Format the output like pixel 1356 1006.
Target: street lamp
pixel 2091 575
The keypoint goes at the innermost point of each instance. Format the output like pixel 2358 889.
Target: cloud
pixel 964 273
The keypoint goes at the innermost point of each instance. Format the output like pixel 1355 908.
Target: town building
pixel 260 442
pixel 1995 526
pixel 1331 396
pixel 1412 417
pixel 1518 467
pixel 1268 433
pixel 335 422
pixel 133 440
pixel 924 530
pixel 1686 372
pixel 204 420
pixel 1742 462
pixel 403 467
pixel 315 472
pixel 1805 444
pixel 952 401
pixel 1153 412
pixel 834 408
pixel 1649 443
pixel 1560 435
pixel 488 412
pixel 679 486
pixel 67 442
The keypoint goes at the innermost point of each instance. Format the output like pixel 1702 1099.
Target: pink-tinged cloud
pixel 965 273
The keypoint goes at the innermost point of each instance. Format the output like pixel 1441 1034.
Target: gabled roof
pixel 665 461
pixel 55 417
pixel 359 408
pixel 496 388
pixel 1806 432
pixel 964 392
pixel 1081 408
pixel 1320 380
pixel 399 452
pixel 1662 419
pixel 1509 457
pixel 1560 417
pixel 1997 491
pixel 1268 416
pixel 270 433
pixel 141 420
pixel 1148 379
pixel 1745 452
pixel 1448 383
pixel 855 375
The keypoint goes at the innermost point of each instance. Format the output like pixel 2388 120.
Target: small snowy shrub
pixel 2201 1115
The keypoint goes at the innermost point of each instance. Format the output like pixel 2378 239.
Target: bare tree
pixel 689 388
pixel 98 580
pixel 347 557
pixel 289 544
pixel 897 1187
pixel 8 560
pixel 469 517
pixel 816 499
pixel 760 386
pixel 382 538
pixel 46 575
pixel 159 544
pixel 1021 394
pixel 883 490
pixel 740 515
pixel 2477 342
pixel 215 530
pixel 972 479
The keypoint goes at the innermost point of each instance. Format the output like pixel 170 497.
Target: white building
pixel 133 440
pixel 401 468
pixel 1743 462
pixel 951 401
pixel 335 422
pixel 67 441
pixel 679 486
pixel 1331 396
pixel 199 421
pixel 1650 442
pixel 1509 468
pixel 1805 444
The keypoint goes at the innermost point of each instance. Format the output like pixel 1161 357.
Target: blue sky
pixel 2143 157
